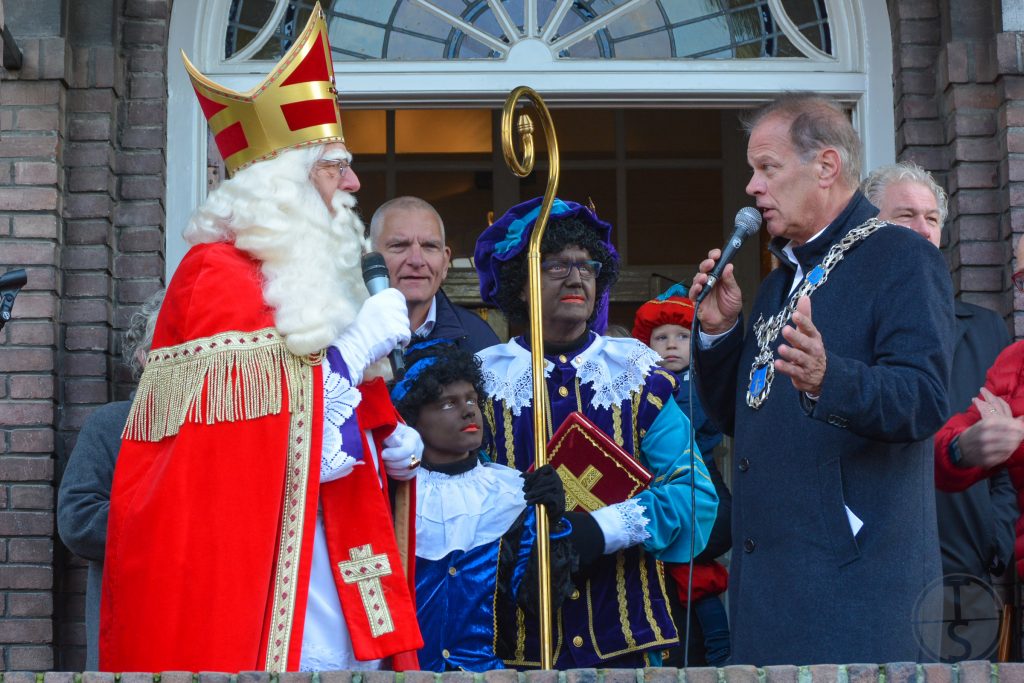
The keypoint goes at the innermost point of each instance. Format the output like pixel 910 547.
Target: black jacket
pixel 466 328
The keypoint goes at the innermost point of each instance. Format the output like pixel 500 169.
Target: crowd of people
pixel 321 512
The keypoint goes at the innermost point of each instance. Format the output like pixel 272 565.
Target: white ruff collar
pixel 463 511
pixel 614 367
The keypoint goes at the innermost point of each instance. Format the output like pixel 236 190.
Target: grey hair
pixel 815 122
pixel 875 185
pixel 406 203
pixel 139 335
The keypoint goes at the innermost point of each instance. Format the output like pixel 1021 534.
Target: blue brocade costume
pixel 473 529
pixel 619 616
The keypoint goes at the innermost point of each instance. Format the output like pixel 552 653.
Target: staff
pixel 540 429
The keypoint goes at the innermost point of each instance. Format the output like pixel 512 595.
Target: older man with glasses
pixel 986 438
pixel 617 384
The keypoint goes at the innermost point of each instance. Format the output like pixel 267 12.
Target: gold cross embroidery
pixel 365 570
pixel 577 489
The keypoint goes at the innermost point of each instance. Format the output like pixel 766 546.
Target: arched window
pixel 629 62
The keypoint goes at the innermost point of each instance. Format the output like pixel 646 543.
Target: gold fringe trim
pixel 241 373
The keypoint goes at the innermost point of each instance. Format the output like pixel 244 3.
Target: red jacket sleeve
pixel 1003 380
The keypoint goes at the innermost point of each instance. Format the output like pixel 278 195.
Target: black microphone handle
pixel 734 244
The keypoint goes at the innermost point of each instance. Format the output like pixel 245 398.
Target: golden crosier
pixel 295 105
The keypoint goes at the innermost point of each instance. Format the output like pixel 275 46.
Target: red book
pixel 595 470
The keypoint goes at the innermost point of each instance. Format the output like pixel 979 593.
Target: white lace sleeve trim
pixel 623 525
pixel 340 401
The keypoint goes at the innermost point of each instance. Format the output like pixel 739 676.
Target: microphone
pixel 747 222
pixel 11 283
pixel 375 275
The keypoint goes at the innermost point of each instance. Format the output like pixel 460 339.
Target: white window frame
pixel 859 74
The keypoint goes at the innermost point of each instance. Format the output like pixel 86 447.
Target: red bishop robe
pixel 216 490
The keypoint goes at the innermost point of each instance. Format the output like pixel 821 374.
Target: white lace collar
pixel 614 367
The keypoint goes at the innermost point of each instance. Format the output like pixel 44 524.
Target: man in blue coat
pixel 833 395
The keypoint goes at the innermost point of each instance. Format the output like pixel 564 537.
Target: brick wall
pixel 952 101
pixel 32 183
pixel 81 208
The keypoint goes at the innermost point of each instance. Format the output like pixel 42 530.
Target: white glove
pixel 402 452
pixel 381 325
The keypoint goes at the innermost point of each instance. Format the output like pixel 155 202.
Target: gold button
pixel 575 595
pixel 452 571
pixel 578 641
pixel 563 359
pixel 446 654
pixel 563 392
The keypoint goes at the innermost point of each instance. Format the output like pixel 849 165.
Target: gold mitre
pixel 296 105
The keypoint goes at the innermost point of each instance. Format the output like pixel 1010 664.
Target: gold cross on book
pixel 365 570
pixel 577 489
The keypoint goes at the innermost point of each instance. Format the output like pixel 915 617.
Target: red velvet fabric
pixel 709 578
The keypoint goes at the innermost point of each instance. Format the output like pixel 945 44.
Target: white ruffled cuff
pixel 623 525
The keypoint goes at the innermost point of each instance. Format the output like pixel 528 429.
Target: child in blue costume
pixel 475 523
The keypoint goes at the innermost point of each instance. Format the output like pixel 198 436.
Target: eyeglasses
pixel 559 270
pixel 333 167
pixel 1018 280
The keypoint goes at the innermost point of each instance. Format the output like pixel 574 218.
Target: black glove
pixel 544 487
pixel 587 537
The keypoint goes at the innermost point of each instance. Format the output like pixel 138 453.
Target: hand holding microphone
pixel 375 275
pixel 715 273
pixel 381 326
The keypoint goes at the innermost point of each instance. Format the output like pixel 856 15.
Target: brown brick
pixel 976 176
pixel 39 146
pixel 91 100
pixel 85 311
pixel 86 391
pixel 26 413
pixel 976 149
pixel 975 279
pixel 975 672
pixel 923 32
pixel 31 386
pixel 25 524
pixel 1013 87
pixel 32 550
pixel 24 577
pixel 63 676
pixel 141 162
pixel 30 252
pixel 31 441
pixel 741 674
pixel 140 32
pixel 97 677
pixel 923 133
pixel 152 239
pixel 87 154
pixel 28 199
pixel 31 305
pixel 1009 53
pixel 957 62
pixel 84 283
pixel 138 213
pixel 862 673
pixel 29 92
pixel 31 497
pixel 976 227
pixel 30 658
pixel 147 112
pixel 307 677
pixel 610 676
pixel 85 338
pixel 701 675
pixel 142 187
pixel 138 265
pixel 917 9
pixel 918 56
pixel 87 205
pixel 136 291
pixel 144 138
pixel 1008 673
pixel 89 232
pixel 136 677
pixel 15 468
pixel 974 96
pixel 251 677
pixel 89 179
pixel 87 258
pixel 85 127
pixel 183 677
pixel 36 225
pixel 919 107
pixel 497 676
pixel 37 119
pixel 104 72
pixel 85 365
pixel 35 173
